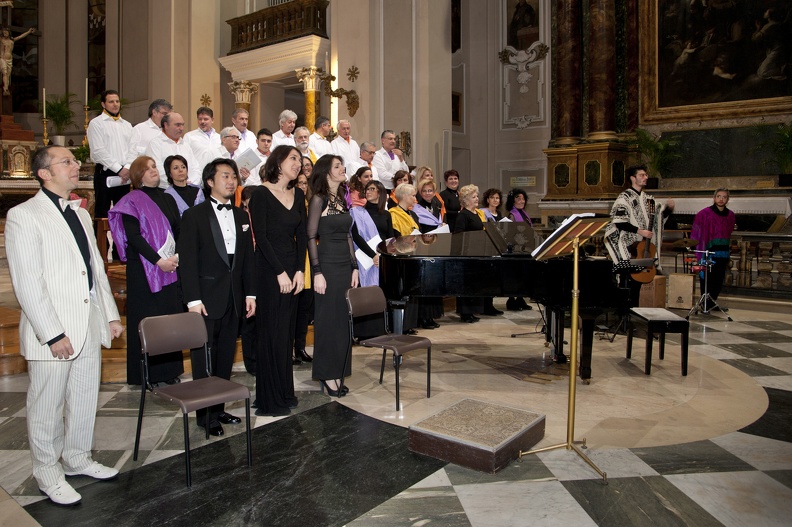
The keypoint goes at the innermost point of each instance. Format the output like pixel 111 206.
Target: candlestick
pixel 44 137
pixel 85 139
pixel 44 101
pixel 86 91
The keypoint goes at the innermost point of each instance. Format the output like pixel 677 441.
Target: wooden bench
pixel 658 321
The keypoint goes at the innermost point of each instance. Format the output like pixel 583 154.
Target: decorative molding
pixel 271 62
pixel 352 98
pixel 528 67
pixel 353 73
pixel 524 60
pixel 243 92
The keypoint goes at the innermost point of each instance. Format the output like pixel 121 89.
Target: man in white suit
pixel 68 311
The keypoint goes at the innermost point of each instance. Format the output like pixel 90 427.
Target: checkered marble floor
pixel 712 448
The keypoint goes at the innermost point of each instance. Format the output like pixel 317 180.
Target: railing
pixel 271 25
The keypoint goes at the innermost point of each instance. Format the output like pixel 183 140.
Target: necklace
pixel 336 204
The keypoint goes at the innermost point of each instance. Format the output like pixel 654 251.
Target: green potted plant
pixel 61 115
pixel 656 152
pixel 778 148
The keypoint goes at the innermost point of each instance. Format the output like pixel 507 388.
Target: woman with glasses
pixel 145 225
pixel 371 221
pixel 183 192
pixel 307 167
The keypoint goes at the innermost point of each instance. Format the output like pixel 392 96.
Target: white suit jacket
pixel 48 275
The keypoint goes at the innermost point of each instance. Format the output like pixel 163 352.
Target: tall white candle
pixel 44 99
pixel 86 91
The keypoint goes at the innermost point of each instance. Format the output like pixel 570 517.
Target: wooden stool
pixel 662 321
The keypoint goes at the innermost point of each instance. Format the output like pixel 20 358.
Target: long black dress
pixel 334 257
pixel 430 308
pixel 280 246
pixel 141 302
pixel 468 221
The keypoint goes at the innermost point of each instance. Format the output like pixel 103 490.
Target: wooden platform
pixel 476 434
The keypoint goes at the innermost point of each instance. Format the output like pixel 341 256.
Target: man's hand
pixel 244 173
pixel 116 329
pixel 250 307
pixel 198 309
pixel 398 153
pixel 645 233
pixel 62 349
pixel 124 175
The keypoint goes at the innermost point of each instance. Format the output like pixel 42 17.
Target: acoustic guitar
pixel 646 249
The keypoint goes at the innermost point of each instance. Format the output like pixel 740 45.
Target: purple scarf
pixel 367 230
pixel 180 202
pixel 154 227
pixel 521 216
pixel 425 217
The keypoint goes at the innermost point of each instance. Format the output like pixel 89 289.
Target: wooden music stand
pixel 564 241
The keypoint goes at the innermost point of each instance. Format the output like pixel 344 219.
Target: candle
pixel 44 98
pixel 86 91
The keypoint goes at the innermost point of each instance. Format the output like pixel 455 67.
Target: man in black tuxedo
pixel 217 274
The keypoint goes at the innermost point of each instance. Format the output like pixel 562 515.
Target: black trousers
pixel 716 277
pixel 222 335
pixel 104 196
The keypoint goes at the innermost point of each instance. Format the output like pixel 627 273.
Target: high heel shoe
pixel 330 391
pixel 302 355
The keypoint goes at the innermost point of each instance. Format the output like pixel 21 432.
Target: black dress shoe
pixel 175 380
pixel 215 429
pixel 409 332
pixel 274 413
pixel 492 312
pixel 302 355
pixel 513 304
pixel 469 318
pixel 228 419
pixel 427 324
pixel 560 358
pixel 296 361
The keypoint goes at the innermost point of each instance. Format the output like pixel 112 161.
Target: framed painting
pixel 521 23
pixel 722 60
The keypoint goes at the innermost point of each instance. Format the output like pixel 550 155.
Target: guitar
pixel 646 249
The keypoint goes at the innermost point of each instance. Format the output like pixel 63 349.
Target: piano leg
pixel 557 325
pixel 586 345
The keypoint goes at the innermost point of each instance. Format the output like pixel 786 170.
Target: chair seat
pixel 203 393
pixel 398 343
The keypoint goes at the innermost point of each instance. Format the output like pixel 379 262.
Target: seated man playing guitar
pixel 635 231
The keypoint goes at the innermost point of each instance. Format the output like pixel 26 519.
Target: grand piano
pixel 497 262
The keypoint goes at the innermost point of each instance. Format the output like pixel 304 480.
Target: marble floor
pixel 711 448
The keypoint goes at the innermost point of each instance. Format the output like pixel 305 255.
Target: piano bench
pixel 658 321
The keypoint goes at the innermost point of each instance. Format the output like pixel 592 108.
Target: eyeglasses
pixel 66 162
pixel 232 137
pixel 370 188
pixel 370 152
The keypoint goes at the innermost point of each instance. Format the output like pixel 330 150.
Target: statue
pixel 7 54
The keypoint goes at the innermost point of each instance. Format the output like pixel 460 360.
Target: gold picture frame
pixel 656 107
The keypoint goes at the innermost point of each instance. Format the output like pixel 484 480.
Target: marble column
pixel 310 80
pixel 567 64
pixel 243 92
pixel 602 70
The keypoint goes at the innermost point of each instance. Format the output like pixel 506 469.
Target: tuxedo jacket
pixel 48 275
pixel 203 261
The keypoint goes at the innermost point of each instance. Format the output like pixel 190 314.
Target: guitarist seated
pixel 635 231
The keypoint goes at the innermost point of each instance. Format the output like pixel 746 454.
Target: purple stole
pixel 425 217
pixel 154 227
pixel 367 230
pixel 180 202
pixel 520 215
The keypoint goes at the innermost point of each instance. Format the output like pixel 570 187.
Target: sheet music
pixel 248 159
pixel 443 229
pixel 168 248
pixel 553 237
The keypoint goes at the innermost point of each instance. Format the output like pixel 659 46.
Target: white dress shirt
pixel 319 145
pixel 163 146
pixel 110 142
pixel 142 134
pixel 354 165
pixel 387 167
pixel 347 150
pixel 204 145
pixel 246 140
pixel 279 138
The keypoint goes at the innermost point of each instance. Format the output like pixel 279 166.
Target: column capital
pixel 243 92
pixel 310 77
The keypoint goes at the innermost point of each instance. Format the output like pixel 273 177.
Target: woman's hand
pixel 320 284
pixel 376 260
pixel 355 280
pixel 299 282
pixel 284 283
pixel 168 265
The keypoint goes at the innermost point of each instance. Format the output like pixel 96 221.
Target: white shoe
pixel 62 493
pixel 95 470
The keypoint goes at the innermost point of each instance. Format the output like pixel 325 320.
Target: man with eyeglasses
pixel 344 145
pixel 366 158
pixel 110 137
pixel 170 143
pixel 144 132
pixel 68 313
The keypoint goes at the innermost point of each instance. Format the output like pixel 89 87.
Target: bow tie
pixel 221 206
pixel 73 203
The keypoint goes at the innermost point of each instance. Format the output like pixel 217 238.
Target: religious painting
pixel 521 23
pixel 715 59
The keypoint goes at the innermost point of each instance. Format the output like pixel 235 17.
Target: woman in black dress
pixel 334 270
pixel 470 218
pixel 451 196
pixel 305 300
pixel 516 200
pixel 278 216
pixel 185 193
pixel 141 222
pixel 399 177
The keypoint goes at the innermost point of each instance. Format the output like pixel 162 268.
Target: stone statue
pixel 7 54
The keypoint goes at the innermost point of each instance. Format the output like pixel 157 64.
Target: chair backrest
pixel 168 333
pixel 363 301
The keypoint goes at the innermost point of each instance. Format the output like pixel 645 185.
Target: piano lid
pixel 497 240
